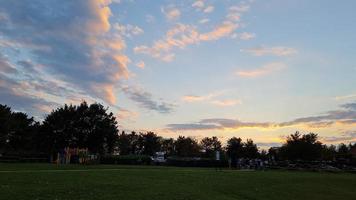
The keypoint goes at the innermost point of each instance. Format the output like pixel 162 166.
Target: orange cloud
pixel 102 12
pixel 183 35
pixel 140 64
pixel 264 70
pixel 226 102
pixel 171 13
pixel 220 31
pixel 276 51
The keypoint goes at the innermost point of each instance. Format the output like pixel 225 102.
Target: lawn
pixel 44 181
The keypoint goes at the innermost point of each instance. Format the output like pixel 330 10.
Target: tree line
pixel 95 128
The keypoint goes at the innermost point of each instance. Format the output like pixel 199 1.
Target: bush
pixel 24 158
pixel 126 159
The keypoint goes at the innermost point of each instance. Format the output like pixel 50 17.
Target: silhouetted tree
pixel 124 143
pixel 302 147
pixel 343 151
pixel 81 126
pixel 186 147
pixel 210 146
pixel 328 153
pixel 167 146
pixel 234 150
pixel 250 149
pixel 150 143
pixel 17 131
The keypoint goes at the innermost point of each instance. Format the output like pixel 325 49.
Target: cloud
pixel 128 30
pixel 246 36
pixel 67 39
pixel 171 13
pixel 216 123
pixel 235 12
pixel 150 18
pixel 350 96
pixel 345 137
pixel 127 115
pixel 225 103
pixel 204 21
pixel 350 106
pixel 262 71
pixel 183 35
pixel 222 30
pixel 178 37
pixel 211 99
pixel 198 4
pixel 145 100
pixel 140 64
pixel 275 51
pixel 196 98
pixel 346 115
pixel 11 93
pixel 6 66
pixel 209 9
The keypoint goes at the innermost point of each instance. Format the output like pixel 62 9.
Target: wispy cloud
pixel 171 12
pixel 262 71
pixel 198 4
pixel 217 123
pixel 182 35
pixel 6 66
pixel 145 100
pixel 226 103
pixel 346 115
pixel 140 64
pixel 275 51
pixel 350 96
pixel 211 99
pixel 349 136
pixel 204 21
pixel 246 36
pixel 199 98
pixel 209 9
pixel 128 30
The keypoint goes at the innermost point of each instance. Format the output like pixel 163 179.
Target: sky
pixel 259 69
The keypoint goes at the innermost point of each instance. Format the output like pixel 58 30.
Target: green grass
pixel 44 181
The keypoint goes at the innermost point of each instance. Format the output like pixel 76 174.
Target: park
pixel 46 181
pixel 177 100
pixel 58 159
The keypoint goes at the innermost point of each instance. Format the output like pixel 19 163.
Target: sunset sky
pixel 259 69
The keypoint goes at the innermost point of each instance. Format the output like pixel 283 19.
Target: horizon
pixel 251 69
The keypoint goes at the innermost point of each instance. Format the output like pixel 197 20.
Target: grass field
pixel 44 181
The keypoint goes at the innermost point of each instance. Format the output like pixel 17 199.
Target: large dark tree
pixel 17 131
pixel 186 147
pixel 234 150
pixel 83 126
pixel 343 151
pixel 210 146
pixel 167 146
pixel 130 143
pixel 150 143
pixel 250 149
pixel 328 153
pixel 302 147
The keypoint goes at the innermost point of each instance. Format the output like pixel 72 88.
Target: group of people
pixel 245 163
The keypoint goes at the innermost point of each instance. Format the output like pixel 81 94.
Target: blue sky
pixel 254 69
